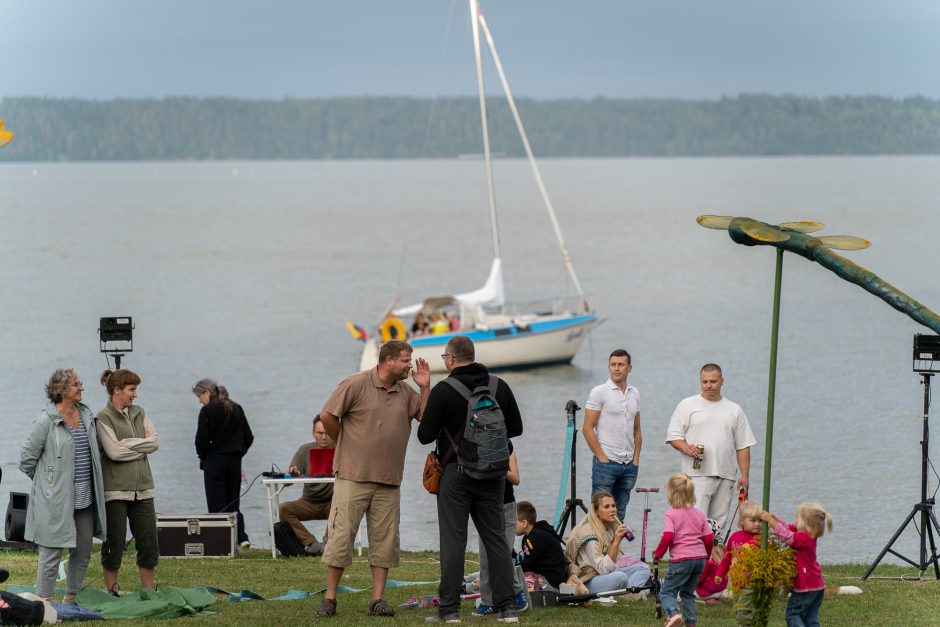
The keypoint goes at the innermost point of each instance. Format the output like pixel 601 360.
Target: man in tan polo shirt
pixel 369 417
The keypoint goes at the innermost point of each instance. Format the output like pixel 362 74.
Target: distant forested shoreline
pixel 182 128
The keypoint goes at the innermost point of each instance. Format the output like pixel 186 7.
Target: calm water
pixel 245 272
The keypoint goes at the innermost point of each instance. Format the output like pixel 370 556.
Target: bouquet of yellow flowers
pixel 764 572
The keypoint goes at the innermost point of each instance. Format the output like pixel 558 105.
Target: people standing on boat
pixel 452 320
pixel 314 504
pixel 223 436
pixel 462 496
pixel 612 432
pixel 369 417
pixel 439 324
pixel 420 325
pixel 66 499
pixel 714 437
pixel 127 437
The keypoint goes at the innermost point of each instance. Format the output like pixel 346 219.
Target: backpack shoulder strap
pixel 494 383
pixel 465 392
pixel 462 389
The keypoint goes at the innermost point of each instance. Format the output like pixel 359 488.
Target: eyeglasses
pixel 446 355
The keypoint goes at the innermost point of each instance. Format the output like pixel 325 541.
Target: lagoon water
pixel 245 272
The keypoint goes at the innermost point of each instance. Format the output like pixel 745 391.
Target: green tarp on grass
pixel 166 603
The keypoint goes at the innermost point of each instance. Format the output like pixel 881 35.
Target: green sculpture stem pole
pixel 771 389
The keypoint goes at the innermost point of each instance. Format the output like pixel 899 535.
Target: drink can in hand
pixel 697 464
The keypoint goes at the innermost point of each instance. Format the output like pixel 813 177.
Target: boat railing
pixel 546 307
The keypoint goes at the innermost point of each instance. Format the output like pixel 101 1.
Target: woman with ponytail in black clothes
pixel 222 439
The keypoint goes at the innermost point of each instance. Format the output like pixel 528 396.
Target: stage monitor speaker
pixel 15 525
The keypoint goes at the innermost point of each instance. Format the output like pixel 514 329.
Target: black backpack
pixel 16 610
pixel 483 451
pixel 285 540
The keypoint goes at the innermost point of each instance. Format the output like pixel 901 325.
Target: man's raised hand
pixel 422 373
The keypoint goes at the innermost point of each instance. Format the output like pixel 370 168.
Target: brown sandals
pixel 327 608
pixel 380 607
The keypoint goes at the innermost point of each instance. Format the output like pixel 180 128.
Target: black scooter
pixel 548 598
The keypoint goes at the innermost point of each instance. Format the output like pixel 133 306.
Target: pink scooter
pixel 646 514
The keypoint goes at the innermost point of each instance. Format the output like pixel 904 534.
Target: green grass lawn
pixel 884 601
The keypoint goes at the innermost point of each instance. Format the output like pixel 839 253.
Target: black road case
pixel 196 535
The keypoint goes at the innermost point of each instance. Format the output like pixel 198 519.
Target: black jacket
pixel 542 553
pixel 221 431
pixel 447 409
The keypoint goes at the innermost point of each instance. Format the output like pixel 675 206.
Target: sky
pixel 692 49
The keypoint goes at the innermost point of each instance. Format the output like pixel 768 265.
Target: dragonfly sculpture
pixel 795 237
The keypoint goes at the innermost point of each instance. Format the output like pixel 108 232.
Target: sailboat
pixel 502 337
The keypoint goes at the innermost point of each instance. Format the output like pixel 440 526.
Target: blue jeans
pixel 803 608
pixel 681 579
pixel 616 478
pixel 633 576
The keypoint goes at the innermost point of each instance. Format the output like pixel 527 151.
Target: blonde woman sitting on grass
pixel 594 547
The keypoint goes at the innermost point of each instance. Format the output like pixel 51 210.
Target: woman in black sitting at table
pixel 222 439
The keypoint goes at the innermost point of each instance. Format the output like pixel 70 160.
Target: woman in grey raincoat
pixel 66 501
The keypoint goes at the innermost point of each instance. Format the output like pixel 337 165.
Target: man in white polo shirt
pixel 612 431
pixel 720 426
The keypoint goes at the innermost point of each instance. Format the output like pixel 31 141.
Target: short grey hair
pixel 59 383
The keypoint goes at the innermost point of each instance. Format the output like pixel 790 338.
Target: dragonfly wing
pixel 844 242
pixel 715 222
pixel 764 232
pixel 804 226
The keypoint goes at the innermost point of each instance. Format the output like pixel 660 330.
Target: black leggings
pixel 222 475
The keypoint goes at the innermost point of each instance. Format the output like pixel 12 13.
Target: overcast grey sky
pixel 551 48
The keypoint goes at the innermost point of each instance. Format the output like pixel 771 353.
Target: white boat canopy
pixel 490 295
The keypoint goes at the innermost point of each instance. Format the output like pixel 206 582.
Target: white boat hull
pixel 553 340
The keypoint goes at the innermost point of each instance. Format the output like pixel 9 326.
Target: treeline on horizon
pixel 183 128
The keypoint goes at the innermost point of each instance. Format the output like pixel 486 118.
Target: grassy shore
pixel 884 602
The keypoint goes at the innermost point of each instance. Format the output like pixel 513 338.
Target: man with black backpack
pixel 471 414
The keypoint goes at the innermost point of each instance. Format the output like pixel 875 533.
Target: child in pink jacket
pixel 688 538
pixel 806 595
pixel 707 589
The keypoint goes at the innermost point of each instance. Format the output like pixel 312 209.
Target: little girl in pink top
pixel 806 595
pixel 689 539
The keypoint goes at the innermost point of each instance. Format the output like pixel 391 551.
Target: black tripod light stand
pixel 926 350
pixel 569 513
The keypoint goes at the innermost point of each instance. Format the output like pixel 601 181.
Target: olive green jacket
pixel 126 442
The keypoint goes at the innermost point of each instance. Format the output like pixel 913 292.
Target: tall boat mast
pixel 479 21
pixel 487 156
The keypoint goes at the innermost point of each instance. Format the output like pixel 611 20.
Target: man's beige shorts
pixel 381 505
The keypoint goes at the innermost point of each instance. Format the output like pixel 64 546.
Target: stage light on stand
pixel 926 353
pixel 116 337
pixel 922 516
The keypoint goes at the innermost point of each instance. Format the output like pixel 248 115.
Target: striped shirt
pixel 83 489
